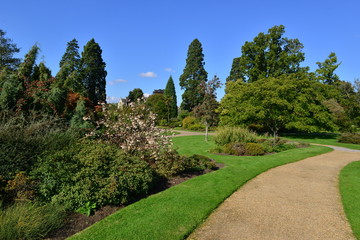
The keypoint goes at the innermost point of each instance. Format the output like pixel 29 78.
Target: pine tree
pixel 26 68
pixel 93 72
pixel 69 73
pixel 235 73
pixel 326 70
pixel 7 51
pixel 193 74
pixel 170 94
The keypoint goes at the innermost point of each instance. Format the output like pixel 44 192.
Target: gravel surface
pixel 300 200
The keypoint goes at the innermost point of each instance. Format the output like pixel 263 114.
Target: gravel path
pixel 300 200
pixel 186 133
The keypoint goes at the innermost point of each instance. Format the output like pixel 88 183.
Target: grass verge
pixel 350 194
pixel 325 139
pixel 176 212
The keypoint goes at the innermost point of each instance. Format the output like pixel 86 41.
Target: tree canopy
pixel 326 70
pixel 93 72
pixel 170 94
pixel 135 94
pixel 7 51
pixel 194 73
pixel 268 55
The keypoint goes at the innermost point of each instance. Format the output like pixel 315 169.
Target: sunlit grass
pixel 176 212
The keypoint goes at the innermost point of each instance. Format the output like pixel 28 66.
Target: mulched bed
pixel 75 222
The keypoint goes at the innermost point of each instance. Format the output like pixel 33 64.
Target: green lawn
pixel 350 193
pixel 176 212
pixel 325 139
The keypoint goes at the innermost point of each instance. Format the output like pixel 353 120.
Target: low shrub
pixel 353 138
pixel 92 173
pixel 284 147
pixel 25 220
pixel 254 149
pixel 199 163
pixel 227 135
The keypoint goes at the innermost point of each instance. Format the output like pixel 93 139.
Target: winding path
pixel 300 200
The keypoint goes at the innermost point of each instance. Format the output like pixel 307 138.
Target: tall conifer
pixel 170 93
pixel 193 74
pixel 93 72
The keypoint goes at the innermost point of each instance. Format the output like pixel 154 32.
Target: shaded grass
pixel 325 139
pixel 350 194
pixel 176 212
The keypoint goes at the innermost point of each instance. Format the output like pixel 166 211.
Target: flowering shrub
pixel 133 130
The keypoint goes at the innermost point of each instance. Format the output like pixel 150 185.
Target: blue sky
pixel 144 42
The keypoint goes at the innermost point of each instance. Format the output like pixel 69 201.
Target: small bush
pixel 227 135
pixel 254 149
pixel 188 121
pixel 284 147
pixel 24 220
pixel 353 138
pixel 199 163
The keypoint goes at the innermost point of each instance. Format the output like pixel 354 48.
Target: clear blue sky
pixel 144 42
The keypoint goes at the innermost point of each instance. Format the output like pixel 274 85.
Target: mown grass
pixel 350 194
pixel 324 139
pixel 176 212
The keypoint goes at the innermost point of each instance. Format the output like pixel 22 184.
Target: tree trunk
pixel 206 132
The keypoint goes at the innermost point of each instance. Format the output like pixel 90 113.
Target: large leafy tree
pixel 69 73
pixel 135 95
pixel 291 102
pixel 7 51
pixel 93 72
pixel 157 104
pixel 170 97
pixel 194 73
pixel 268 55
pixel 326 71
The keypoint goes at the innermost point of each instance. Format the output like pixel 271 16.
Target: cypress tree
pixel 170 93
pixel 193 74
pixel 93 72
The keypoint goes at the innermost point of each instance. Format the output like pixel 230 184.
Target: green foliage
pixel 79 119
pixel 10 89
pixel 198 162
pixel 87 209
pixel 325 72
pixel 350 138
pixel 193 74
pixel 24 138
pixel 268 55
pixel 291 102
pixel 93 73
pixel 25 220
pixel 135 95
pixel 157 105
pixel 171 102
pixel 254 149
pixel 26 68
pixel 7 51
pixel 90 173
pixel 192 123
pixel 225 135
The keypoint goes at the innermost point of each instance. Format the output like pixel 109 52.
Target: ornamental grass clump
pixel 227 135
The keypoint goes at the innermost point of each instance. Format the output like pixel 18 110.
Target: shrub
pixel 353 138
pixel 227 135
pixel 24 138
pixel 199 163
pixel 188 121
pixel 93 173
pixel 196 126
pixel 24 220
pixel 254 149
